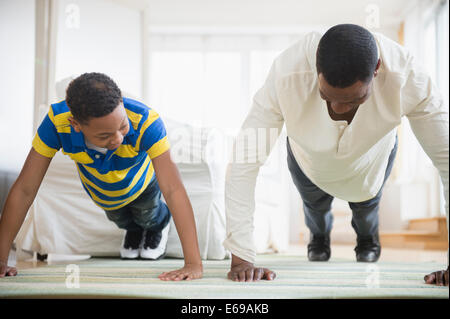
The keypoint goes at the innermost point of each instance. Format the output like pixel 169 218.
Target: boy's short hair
pixel 92 95
pixel 347 53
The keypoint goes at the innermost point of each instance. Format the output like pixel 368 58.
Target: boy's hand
pixel 188 272
pixel 5 270
pixel 242 270
pixel 17 203
pixel 438 278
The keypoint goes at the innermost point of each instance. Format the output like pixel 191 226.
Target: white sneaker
pixel 131 244
pixel 154 245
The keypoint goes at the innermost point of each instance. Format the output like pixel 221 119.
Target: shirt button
pixel 97 156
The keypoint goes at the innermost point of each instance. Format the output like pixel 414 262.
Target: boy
pixel 122 155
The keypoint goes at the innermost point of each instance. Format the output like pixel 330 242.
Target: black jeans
pixel 317 203
pixel 147 211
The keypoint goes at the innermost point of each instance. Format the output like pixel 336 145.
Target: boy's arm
pixel 19 200
pixel 180 207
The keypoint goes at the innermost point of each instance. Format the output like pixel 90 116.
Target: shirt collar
pixel 131 131
pixel 77 138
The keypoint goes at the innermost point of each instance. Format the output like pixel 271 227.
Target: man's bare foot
pixel 438 278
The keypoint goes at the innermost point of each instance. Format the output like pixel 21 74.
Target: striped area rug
pixel 296 278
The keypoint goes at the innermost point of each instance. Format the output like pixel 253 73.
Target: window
pixel 209 80
pixel 436 41
pixel 436 57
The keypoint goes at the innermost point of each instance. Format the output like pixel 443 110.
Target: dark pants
pixel 145 212
pixel 317 203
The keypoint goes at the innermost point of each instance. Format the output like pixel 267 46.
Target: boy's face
pixel 107 131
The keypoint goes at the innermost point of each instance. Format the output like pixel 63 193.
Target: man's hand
pixel 5 270
pixel 438 278
pixel 188 272
pixel 242 270
pixel 169 180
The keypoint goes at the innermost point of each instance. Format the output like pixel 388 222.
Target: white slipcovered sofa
pixel 64 220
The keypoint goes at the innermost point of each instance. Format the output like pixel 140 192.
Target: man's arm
pixel 264 121
pixel 181 209
pixel 19 200
pixel 428 118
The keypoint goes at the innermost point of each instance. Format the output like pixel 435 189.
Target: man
pixel 341 96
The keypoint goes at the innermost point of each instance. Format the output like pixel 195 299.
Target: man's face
pixel 344 100
pixel 107 131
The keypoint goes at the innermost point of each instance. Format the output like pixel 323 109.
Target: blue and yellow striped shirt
pixel 118 177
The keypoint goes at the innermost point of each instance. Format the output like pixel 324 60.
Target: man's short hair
pixel 346 53
pixel 92 95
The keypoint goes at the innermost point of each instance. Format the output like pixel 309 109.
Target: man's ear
pixel 76 126
pixel 377 67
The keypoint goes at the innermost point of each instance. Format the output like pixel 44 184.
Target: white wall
pixel 273 16
pixel 271 13
pixel 105 37
pixel 17 27
pixel 100 36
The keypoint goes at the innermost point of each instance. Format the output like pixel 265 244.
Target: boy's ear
pixel 76 126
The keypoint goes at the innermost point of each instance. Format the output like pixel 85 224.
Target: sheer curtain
pixel 426 36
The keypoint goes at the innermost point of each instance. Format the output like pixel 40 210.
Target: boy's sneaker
pixel 131 244
pixel 155 244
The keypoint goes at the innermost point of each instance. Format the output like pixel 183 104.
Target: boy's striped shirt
pixel 115 179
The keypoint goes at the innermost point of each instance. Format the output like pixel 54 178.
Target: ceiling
pixel 272 12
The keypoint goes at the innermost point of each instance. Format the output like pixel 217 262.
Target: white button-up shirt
pixel 348 161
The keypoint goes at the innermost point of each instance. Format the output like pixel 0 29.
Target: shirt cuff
pixel 159 147
pixel 42 148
